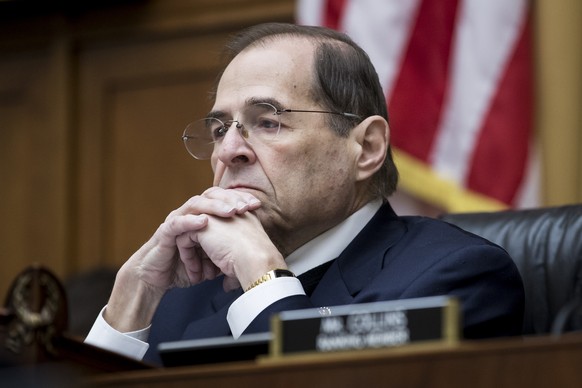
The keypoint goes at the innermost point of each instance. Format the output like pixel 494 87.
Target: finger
pixel 218 202
pixel 204 205
pixel 198 265
pixel 190 258
pixel 177 225
pixel 242 201
pixel 186 246
pixel 209 269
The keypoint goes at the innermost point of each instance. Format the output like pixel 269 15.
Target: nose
pixel 234 148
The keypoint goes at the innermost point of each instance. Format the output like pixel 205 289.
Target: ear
pixel 373 136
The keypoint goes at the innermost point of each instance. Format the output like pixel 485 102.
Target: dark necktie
pixel 311 278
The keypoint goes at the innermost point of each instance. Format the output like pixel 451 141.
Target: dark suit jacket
pixel 391 258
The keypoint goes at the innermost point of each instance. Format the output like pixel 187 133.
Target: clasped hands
pixel 211 234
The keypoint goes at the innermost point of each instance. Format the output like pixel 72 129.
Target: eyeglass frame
pixel 277 112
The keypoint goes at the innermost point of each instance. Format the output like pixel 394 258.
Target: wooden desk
pixel 532 362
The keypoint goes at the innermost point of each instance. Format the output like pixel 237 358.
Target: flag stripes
pixel 458 82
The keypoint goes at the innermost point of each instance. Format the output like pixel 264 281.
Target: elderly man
pixel 298 216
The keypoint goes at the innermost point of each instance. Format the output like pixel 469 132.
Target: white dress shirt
pixel 249 305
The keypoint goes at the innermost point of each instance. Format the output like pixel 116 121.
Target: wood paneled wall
pixel 94 95
pixel 93 102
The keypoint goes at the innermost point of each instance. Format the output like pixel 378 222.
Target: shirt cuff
pixel 132 344
pixel 250 304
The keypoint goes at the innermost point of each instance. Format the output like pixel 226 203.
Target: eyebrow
pixel 219 114
pixel 268 100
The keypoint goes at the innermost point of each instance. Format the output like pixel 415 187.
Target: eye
pixel 266 123
pixel 219 132
pixel 216 128
pixel 263 118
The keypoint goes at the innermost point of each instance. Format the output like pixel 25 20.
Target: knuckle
pixel 172 225
pixel 210 190
pixel 193 202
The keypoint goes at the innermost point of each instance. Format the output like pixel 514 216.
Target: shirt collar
pixel 328 245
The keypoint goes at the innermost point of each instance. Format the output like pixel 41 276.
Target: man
pixel 299 143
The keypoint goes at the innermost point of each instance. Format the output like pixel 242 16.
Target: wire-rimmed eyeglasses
pixel 259 122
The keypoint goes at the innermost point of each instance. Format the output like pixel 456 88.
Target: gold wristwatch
pixel 273 274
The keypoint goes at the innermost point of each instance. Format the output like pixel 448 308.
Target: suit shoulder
pixel 438 231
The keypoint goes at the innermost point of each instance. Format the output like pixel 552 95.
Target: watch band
pixel 273 274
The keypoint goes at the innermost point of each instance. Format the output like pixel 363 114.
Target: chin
pixel 265 216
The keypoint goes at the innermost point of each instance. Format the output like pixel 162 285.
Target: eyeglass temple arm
pixel 352 115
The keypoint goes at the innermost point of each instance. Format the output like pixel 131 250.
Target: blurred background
pixel 485 102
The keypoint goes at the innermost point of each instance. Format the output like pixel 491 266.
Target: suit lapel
pixel 362 260
pixel 222 299
pixel 213 325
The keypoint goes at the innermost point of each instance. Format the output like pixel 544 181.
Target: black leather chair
pixel 546 245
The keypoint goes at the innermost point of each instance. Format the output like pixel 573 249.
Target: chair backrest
pixel 546 245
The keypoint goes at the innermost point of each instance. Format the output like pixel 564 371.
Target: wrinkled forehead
pixel 278 68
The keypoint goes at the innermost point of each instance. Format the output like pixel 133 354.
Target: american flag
pixel 458 80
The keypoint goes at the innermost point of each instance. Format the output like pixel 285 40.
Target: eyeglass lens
pixel 258 122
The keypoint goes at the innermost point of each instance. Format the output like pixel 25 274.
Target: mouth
pixel 243 187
